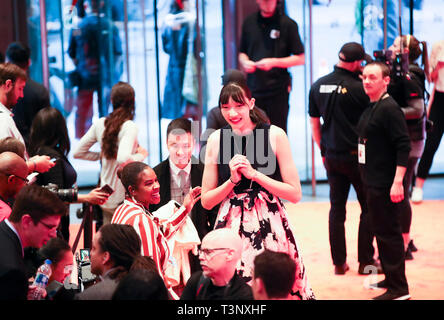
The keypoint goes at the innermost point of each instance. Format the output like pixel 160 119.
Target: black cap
pixel 351 52
pixel 234 75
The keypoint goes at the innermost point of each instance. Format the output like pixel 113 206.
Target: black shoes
pixel 377 286
pixel 388 295
pixel 371 268
pixel 342 269
pixel 412 247
pixel 408 254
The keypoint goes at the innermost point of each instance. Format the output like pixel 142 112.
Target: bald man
pixel 219 255
pixel 13 172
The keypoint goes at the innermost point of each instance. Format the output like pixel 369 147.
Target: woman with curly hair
pixel 117 136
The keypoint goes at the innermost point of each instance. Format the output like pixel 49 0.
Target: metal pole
pixel 385 24
pixel 159 102
pixel 44 42
pixel 199 67
pixel 313 171
pixel 125 24
pixel 145 63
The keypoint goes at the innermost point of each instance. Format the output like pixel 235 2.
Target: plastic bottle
pixel 41 279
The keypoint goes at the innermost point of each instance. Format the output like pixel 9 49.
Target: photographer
pixel 49 136
pixel 114 248
pixel 407 87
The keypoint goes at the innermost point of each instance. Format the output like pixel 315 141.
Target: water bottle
pixel 41 279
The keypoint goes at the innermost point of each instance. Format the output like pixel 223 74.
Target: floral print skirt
pixel 261 220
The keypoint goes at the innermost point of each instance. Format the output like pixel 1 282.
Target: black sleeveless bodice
pixel 256 146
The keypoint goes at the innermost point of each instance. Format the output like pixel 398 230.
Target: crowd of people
pixel 218 229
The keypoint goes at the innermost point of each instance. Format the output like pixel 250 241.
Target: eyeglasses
pixel 209 253
pixel 14 175
pixel 49 227
pixel 23 179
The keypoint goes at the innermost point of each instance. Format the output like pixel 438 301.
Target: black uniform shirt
pixel 274 37
pixel 340 100
pixel 387 143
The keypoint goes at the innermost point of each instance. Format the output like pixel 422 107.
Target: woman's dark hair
pixel 54 249
pixel 141 285
pixel 130 174
pixel 123 244
pixel 123 101
pixel 414 46
pixel 239 94
pixel 49 129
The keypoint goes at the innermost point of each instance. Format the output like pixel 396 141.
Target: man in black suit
pixel 180 172
pixel 35 95
pixel 33 221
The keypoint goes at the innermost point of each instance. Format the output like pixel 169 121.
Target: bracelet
pixel 235 182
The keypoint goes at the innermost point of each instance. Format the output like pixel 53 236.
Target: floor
pixel 309 219
pixel 424 274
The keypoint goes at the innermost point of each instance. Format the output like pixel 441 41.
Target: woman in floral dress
pixel 248 168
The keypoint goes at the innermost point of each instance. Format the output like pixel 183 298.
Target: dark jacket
pixel 13 281
pixel 35 98
pixel 203 219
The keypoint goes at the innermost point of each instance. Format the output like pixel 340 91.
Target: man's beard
pixel 11 100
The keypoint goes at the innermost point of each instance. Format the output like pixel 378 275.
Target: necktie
pixel 182 180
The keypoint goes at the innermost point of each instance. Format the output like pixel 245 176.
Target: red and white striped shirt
pixel 153 232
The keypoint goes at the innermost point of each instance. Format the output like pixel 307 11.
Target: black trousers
pixel 404 208
pixel 434 137
pixel 341 175
pixel 387 229
pixel 276 107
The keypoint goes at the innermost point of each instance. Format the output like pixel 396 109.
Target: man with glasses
pixel 33 221
pixel 219 255
pixel 13 172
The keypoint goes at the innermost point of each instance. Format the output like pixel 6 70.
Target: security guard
pixel 339 98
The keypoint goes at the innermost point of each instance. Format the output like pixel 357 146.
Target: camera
pixel 399 66
pixel 85 277
pixel 66 195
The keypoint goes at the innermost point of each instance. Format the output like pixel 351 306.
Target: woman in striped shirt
pixel 142 189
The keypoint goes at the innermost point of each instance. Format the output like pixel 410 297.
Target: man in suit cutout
pixel 180 172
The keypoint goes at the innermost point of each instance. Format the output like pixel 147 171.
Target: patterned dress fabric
pixel 258 216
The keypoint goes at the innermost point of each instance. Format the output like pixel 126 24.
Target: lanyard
pixel 364 127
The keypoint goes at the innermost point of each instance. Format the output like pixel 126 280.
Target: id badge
pixel 361 153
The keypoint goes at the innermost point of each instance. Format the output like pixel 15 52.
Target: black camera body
pixel 399 66
pixel 66 195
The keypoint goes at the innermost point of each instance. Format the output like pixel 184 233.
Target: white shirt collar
pixel 175 170
pixel 5 110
